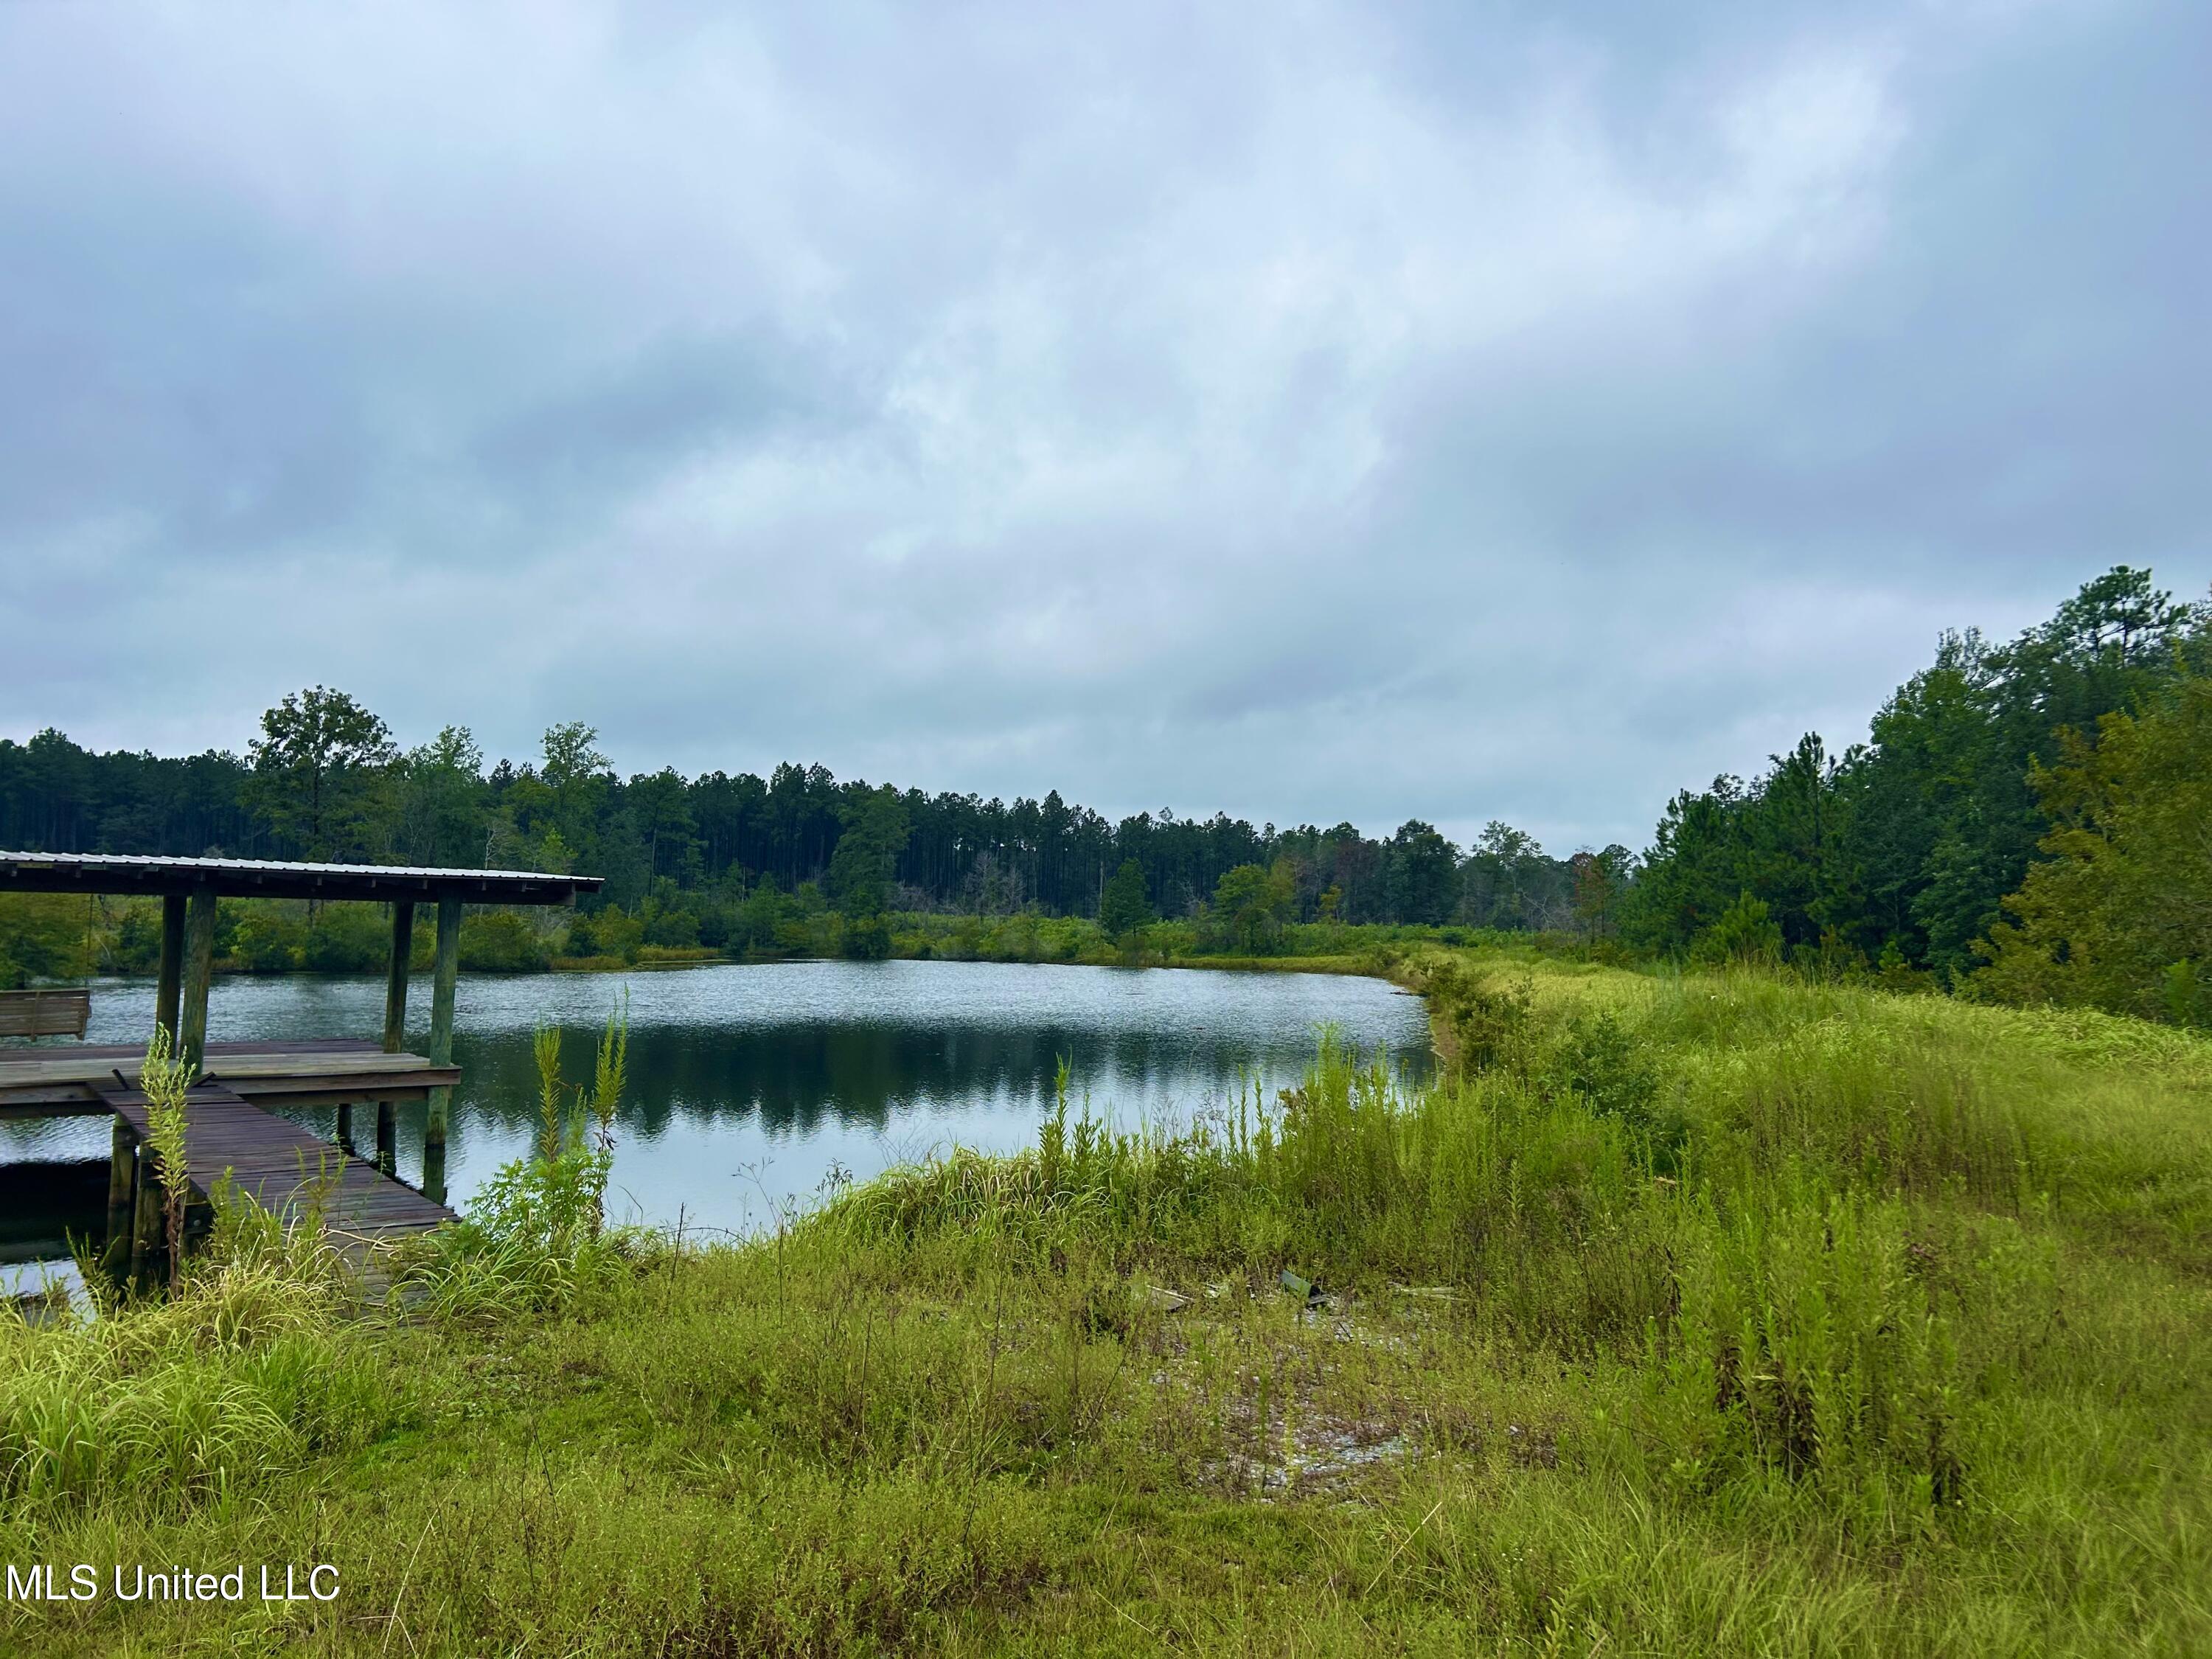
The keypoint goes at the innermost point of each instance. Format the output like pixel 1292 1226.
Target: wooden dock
pixel 286 1170
pixel 283 1167
pixel 47 1082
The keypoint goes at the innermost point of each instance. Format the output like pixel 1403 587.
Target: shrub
pixel 138 946
pixel 669 925
pixel 268 940
pixel 501 942
pixel 347 938
pixel 1744 932
pixel 866 939
pixel 535 1232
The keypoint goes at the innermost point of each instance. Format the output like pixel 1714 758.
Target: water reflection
pixel 793 1079
pixel 747 1083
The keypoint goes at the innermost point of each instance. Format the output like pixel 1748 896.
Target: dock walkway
pixel 286 1170
pixel 284 1167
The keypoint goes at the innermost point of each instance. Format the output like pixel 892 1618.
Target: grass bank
pixel 1696 1314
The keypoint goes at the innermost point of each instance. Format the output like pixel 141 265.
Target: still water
pixel 750 1083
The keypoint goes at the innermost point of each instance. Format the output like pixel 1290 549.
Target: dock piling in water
pixel 441 1014
pixel 122 1181
pixel 146 1230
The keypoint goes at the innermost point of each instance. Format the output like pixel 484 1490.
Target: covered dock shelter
pixel 268 1155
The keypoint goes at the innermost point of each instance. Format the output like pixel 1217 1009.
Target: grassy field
pixel 1687 1315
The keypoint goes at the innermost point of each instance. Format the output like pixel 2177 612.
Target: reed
pixel 164 1078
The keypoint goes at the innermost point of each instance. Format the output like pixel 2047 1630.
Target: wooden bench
pixel 44 1013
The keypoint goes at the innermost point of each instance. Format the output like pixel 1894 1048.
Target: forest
pixel 723 863
pixel 2025 819
pixel 2031 820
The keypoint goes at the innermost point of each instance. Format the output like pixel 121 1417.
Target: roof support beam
pixel 395 983
pixel 199 968
pixel 171 984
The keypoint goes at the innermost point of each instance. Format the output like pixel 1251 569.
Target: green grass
pixel 1685 1315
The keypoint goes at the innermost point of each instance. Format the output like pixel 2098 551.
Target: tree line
pixel 2031 819
pixel 324 780
pixel 1986 833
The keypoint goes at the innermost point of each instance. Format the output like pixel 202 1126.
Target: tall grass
pixel 257 1358
pixel 1737 1187
pixel 1680 1315
pixel 248 1368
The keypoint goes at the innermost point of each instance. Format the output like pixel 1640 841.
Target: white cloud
pixel 1317 412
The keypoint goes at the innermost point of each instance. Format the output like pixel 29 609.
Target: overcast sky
pixel 1462 411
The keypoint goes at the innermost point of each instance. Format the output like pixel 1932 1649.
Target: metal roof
pixel 132 873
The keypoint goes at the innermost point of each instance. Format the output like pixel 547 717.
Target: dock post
pixel 395 981
pixel 168 988
pixel 122 1175
pixel 434 1172
pixel 146 1228
pixel 441 1045
pixel 345 1126
pixel 395 1027
pixel 442 1010
pixel 199 966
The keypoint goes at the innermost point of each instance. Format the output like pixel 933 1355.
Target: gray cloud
pixel 1468 411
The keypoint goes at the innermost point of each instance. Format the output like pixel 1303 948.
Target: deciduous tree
pixel 315 764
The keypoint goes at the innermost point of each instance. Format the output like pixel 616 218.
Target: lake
pixel 750 1083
